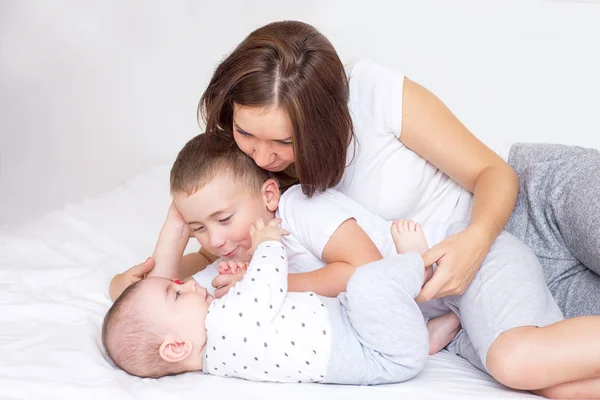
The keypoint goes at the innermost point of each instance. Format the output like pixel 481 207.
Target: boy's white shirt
pixel 312 221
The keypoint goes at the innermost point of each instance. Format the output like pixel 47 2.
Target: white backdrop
pixel 93 92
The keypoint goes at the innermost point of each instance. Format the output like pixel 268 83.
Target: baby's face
pixel 220 214
pixel 178 309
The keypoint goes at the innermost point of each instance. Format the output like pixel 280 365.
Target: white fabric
pixel 312 222
pixel 383 174
pixel 53 277
pixel 259 331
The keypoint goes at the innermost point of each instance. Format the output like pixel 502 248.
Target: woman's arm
pixel 431 130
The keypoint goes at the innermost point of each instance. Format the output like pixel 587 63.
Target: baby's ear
pixel 271 194
pixel 174 351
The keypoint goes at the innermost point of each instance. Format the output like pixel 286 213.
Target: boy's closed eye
pixel 226 219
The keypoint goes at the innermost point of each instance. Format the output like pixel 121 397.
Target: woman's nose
pixel 262 156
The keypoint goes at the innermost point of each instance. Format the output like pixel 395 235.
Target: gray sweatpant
pixel 508 291
pixel 378 332
pixel 558 216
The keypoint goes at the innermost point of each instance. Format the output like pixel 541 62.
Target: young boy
pixel 510 320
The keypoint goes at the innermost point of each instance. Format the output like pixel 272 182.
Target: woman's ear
pixel 174 351
pixel 271 195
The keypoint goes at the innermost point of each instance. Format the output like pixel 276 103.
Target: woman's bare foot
pixel 441 331
pixel 408 236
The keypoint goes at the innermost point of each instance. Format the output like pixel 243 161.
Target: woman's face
pixel 265 134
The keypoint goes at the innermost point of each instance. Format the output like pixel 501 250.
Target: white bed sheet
pixel 54 275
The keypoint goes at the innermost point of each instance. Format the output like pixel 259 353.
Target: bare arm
pixel 195 262
pixel 172 240
pixel 349 247
pixel 431 130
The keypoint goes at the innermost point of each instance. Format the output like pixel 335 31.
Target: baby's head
pixel 220 192
pixel 157 327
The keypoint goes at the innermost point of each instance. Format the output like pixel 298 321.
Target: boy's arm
pixel 171 244
pixel 349 247
pixel 195 262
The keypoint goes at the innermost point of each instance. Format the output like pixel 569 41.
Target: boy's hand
pixel 223 283
pixel 259 232
pixel 231 267
pixel 122 281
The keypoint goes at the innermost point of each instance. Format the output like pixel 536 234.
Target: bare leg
pixel 584 389
pixel 442 330
pixel 531 358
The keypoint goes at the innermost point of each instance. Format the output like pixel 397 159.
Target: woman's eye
pixel 285 143
pixel 225 219
pixel 197 229
pixel 177 293
pixel 243 133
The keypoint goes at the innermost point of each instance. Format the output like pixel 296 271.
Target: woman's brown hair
pixel 291 65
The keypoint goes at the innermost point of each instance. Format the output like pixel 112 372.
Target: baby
pixel 258 330
pixel 261 332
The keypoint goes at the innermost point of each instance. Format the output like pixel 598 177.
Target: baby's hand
pixel 259 232
pixel 231 267
pixel 223 283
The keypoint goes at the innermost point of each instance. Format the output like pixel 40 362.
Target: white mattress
pixel 54 275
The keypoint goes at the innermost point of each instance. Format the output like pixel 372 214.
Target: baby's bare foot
pixel 441 331
pixel 408 236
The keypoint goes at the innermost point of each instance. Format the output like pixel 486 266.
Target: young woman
pixel 285 98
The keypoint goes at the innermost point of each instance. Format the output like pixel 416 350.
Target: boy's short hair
pixel 131 341
pixel 198 163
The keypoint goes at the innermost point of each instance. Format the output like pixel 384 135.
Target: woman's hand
pixel 122 281
pixel 458 259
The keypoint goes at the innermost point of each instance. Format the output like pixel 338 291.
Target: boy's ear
pixel 271 195
pixel 174 351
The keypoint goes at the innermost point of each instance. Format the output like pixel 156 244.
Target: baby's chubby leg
pixel 408 236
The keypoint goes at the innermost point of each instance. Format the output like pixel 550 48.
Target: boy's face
pixel 180 309
pixel 220 214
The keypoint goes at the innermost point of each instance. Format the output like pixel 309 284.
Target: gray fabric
pixel 509 291
pixel 378 332
pixel 558 216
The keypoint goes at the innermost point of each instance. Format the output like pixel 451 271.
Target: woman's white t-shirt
pixel 384 175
